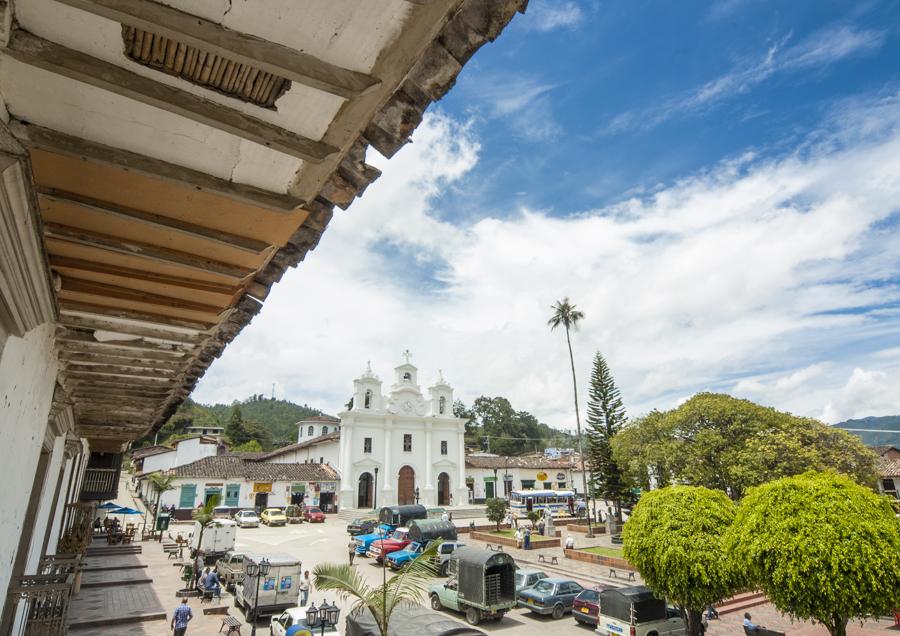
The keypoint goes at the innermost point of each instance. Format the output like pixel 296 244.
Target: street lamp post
pixel 257 571
pixel 375 491
pixel 323 617
pixel 417 494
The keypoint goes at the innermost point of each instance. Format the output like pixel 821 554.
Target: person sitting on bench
pixel 748 624
pixel 213 584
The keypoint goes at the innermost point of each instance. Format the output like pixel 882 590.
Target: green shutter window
pixel 232 495
pixel 188 492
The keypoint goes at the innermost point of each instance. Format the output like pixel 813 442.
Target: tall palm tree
pixel 565 315
pixel 407 588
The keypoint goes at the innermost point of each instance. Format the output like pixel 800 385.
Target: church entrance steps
pixel 459 512
pixel 740 602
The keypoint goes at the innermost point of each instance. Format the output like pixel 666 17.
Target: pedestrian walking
pixel 352 550
pixel 518 538
pixel 203 578
pixel 527 538
pixel 570 542
pixel 304 587
pixel 181 617
pixel 445 516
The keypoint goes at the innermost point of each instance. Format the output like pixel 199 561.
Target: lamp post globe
pixel 312 616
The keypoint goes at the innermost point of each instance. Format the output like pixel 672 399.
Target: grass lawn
pixel 600 549
pixel 504 533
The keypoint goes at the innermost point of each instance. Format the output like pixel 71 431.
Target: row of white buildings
pixel 395 448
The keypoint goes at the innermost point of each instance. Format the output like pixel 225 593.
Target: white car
pixel 286 619
pixel 247 519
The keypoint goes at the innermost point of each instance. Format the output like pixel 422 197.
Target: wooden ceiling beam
pixel 233 45
pixel 169 224
pixel 115 399
pixel 87 388
pixel 50 56
pixel 61 143
pixel 119 370
pixel 66 334
pixel 131 314
pixel 100 323
pixel 83 348
pixel 125 361
pixel 129 247
pixel 107 291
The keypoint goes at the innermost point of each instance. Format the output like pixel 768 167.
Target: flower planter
pixel 599 559
pixel 537 541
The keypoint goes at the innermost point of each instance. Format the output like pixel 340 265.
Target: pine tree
pixel 605 417
pixel 235 430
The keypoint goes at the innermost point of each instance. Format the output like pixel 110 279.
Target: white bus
pixel 558 502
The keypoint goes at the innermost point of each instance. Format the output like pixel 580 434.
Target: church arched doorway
pixel 406 486
pixel 365 491
pixel 443 489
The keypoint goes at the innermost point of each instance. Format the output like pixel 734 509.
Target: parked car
pixel 247 519
pixel 398 540
pixel 221 512
pixel 294 514
pixel 290 617
pixel 481 585
pixel 363 541
pixel 445 553
pixel 637 612
pixel 312 514
pixel 526 578
pixel 553 596
pixel 396 560
pixel 586 607
pixel 273 517
pixel 363 525
pixel 231 569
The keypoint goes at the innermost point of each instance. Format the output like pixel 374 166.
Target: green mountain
pixel 871 430
pixel 276 416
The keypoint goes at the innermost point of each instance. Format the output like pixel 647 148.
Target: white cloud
pixel 819 50
pixel 549 15
pixel 523 101
pixel 756 270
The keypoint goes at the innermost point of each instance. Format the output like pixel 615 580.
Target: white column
pixel 429 485
pixel 462 460
pixel 387 471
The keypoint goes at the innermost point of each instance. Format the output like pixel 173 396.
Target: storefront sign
pixel 329 486
pixel 541 476
pixel 560 476
pixel 262 486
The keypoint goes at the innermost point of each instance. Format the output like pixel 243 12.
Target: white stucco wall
pixel 43 518
pixel 572 479
pixel 308 430
pixel 190 450
pixel 278 498
pixel 325 453
pixel 28 369
pixel 163 461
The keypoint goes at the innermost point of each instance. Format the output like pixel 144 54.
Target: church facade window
pixel 368 400
pixel 407 442
pixel 442 405
pixel 310 431
pixel 367 445
pixel 324 430
pixel 443 447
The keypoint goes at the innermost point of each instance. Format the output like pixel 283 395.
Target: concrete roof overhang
pixel 185 153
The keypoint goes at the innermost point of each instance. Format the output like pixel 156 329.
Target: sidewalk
pixel 768 616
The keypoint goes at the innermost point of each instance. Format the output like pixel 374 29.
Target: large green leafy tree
pixel 675 538
pixel 567 316
pixel 721 442
pixel 821 547
pixel 605 417
pixel 496 510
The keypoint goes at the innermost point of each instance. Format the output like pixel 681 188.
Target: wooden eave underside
pixel 159 267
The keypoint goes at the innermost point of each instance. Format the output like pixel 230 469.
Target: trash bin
pixel 162 522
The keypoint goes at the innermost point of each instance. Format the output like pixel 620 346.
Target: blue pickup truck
pixel 398 559
pixel 363 541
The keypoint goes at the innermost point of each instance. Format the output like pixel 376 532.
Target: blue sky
pixel 717 186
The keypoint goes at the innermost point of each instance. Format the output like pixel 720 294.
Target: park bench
pixel 206 596
pixel 233 625
pixel 543 559
pixel 614 575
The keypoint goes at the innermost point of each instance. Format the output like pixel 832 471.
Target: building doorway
pixel 261 502
pixel 443 489
pixel 489 490
pixel 365 491
pixel 406 486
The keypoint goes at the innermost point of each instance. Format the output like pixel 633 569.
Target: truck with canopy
pixel 481 584
pixel 636 611
pixel 397 516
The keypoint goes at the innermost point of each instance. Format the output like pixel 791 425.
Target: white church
pixel 397 448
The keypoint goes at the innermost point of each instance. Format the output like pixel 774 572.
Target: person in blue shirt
pixel 181 618
pixel 213 584
pixel 748 624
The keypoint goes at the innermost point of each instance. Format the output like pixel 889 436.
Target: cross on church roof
pixel 406 354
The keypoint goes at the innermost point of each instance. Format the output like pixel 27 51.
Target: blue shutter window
pixel 232 495
pixel 188 492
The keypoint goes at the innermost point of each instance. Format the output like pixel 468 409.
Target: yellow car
pixel 273 517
